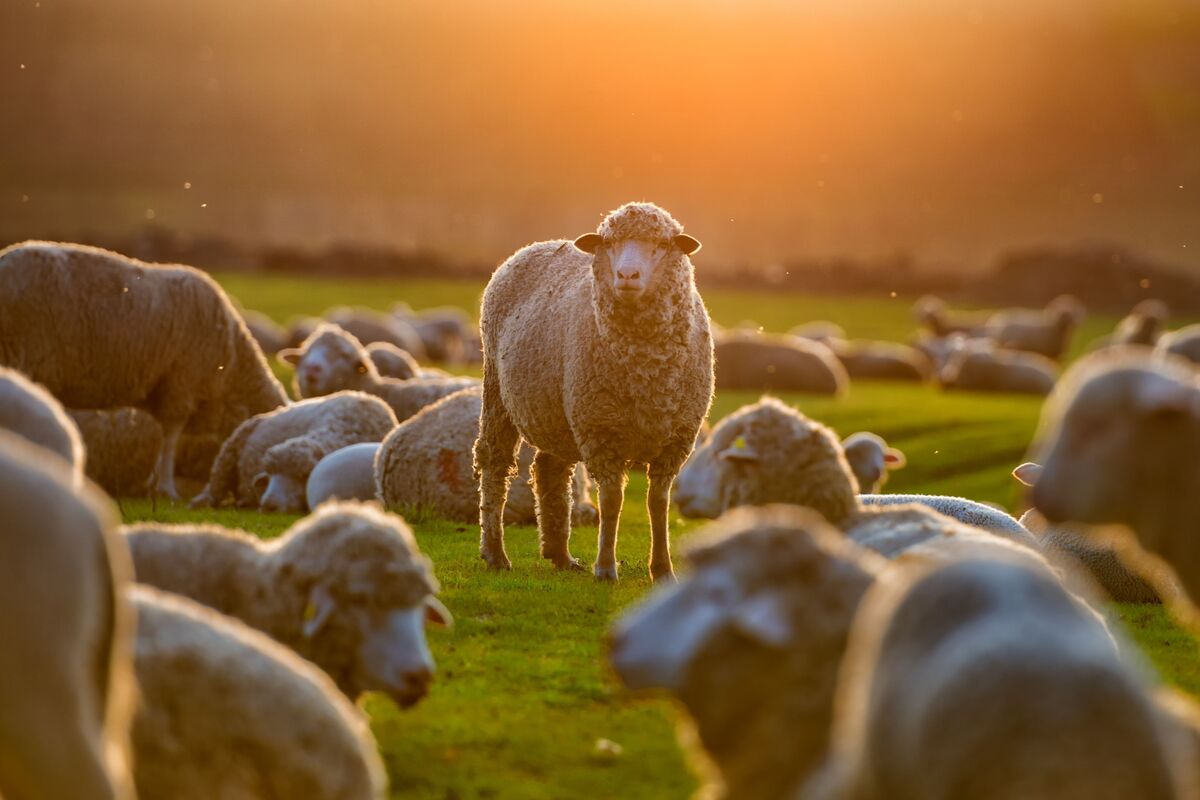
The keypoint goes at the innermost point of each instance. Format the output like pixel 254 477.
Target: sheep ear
pixel 317 612
pixel 763 619
pixel 290 355
pixel 687 244
pixel 589 242
pixel 893 458
pixel 1028 473
pixel 436 613
pixel 261 481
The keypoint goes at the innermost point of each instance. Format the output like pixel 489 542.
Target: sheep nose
pixel 629 274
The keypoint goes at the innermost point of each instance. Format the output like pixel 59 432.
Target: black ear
pixel 589 242
pixel 686 243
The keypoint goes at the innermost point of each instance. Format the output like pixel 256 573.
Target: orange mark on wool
pixel 447 463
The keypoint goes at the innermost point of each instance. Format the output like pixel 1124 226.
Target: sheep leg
pixel 495 465
pixel 552 496
pixel 612 496
pixel 658 503
pixel 164 469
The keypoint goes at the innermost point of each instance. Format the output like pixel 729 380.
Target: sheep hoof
pixel 499 562
pixel 608 573
pixel 568 563
pixel 664 577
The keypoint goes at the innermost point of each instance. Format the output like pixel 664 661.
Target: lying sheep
pixel 267 460
pixel 596 351
pixel 751 639
pixel 227 712
pixel 751 361
pixel 331 359
pixel 31 412
pixel 821 330
pixel 1184 342
pixel 970 512
pixel 346 587
pixel 162 338
pixel 66 634
pixel 269 334
pixel 345 474
pixel 981 367
pixel 367 326
pixel 871 459
pixel 426 463
pixel 1046 332
pixel 1143 326
pixel 392 362
pixel 987 679
pixel 1118 445
pixel 938 349
pixel 931 313
pixel 881 360
pixel 1100 562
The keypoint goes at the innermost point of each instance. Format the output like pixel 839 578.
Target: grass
pixel 522 694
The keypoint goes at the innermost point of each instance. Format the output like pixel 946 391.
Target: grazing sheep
pixel 345 474
pixel 931 313
pixel 987 679
pixel 444 331
pixel 1046 332
pixel 1100 562
pixel 596 351
pixel 871 460
pixel 751 639
pixel 346 587
pixel 1118 446
pixel 392 362
pixel 227 712
pixel 881 360
pixel 426 463
pixel 66 634
pixel 1184 342
pixel 369 326
pixel 331 359
pixel 267 460
pixel 31 412
pixel 751 361
pixel 1142 326
pixel 162 338
pixel 980 366
pixel 269 334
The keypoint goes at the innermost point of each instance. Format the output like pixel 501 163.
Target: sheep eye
pixel 362 368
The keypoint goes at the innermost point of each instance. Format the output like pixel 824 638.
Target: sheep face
pixel 282 494
pixel 629 265
pixel 870 459
pixel 330 361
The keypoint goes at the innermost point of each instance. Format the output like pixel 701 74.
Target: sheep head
pixel 328 361
pixel 633 247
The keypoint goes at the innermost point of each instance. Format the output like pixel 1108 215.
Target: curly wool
pixel 30 411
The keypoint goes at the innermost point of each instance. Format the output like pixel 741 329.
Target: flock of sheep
pixel 827 641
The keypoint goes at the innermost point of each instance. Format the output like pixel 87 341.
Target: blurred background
pixel 842 139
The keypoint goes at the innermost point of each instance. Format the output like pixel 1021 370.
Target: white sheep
pixel 596 351
pixel 931 313
pixel 66 634
pixel 392 362
pixel 881 360
pixel 29 411
pixel 1046 332
pixel 345 474
pixel 346 587
pixel 1184 342
pixel 162 338
pixel 426 463
pixel 753 361
pixel 871 459
pixel 444 331
pixel 1142 326
pixel 978 365
pixel 226 712
pixel 267 460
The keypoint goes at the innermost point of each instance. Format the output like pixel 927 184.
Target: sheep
pixel 1046 332
pixel 345 474
pixel 267 460
pixel 599 351
pixel 426 463
pixel 822 331
pixel 938 349
pixel 932 314
pixel 985 678
pixel 227 712
pixel 369 326
pixel 751 640
pixel 28 410
pixel 269 334
pixel 881 360
pixel 66 670
pixel 332 359
pixel 443 331
pixel 747 360
pixel 1184 343
pixel 345 587
pixel 99 330
pixel 871 459
pixel 392 362
pixel 1100 562
pixel 1143 326
pixel 1118 445
pixel 982 367
pixel 970 512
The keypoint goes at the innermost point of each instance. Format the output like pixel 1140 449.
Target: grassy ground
pixel 522 693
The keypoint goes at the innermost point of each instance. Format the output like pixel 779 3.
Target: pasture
pixel 522 694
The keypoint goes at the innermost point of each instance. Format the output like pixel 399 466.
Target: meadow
pixel 522 694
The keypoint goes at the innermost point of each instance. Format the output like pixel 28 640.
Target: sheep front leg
pixel 658 504
pixel 552 494
pixel 495 465
pixel 612 496
pixel 163 477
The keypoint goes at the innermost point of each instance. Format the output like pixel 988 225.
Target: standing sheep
pixel 752 361
pixel 932 314
pixel 1184 342
pixel 426 462
pixel 100 330
pixel 980 366
pixel 267 460
pixel 1046 332
pixel 66 634
pixel 346 587
pixel 226 712
pixel 31 412
pixel 1142 326
pixel 596 351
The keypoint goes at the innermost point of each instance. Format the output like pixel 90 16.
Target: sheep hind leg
pixel 162 478
pixel 658 504
pixel 612 497
pixel 552 494
pixel 495 466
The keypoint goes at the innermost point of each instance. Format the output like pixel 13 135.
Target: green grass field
pixel 522 693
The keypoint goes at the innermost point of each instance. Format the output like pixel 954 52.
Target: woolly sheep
pixel 66 672
pixel 871 459
pixel 444 331
pixel 751 639
pixel 1046 332
pixel 1100 562
pixel 31 412
pixel 970 512
pixel 985 678
pixel 1118 445
pixel 346 587
pixel 596 351
pixel 938 349
pixel 267 460
pixel 751 361
pixel 931 313
pixel 1142 326
pixel 269 334
pixel 980 366
pixel 881 360
pixel 1184 342
pixel 162 338
pixel 369 326
pixel 345 474
pixel 426 462
pixel 332 359
pixel 227 712
pixel 392 362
